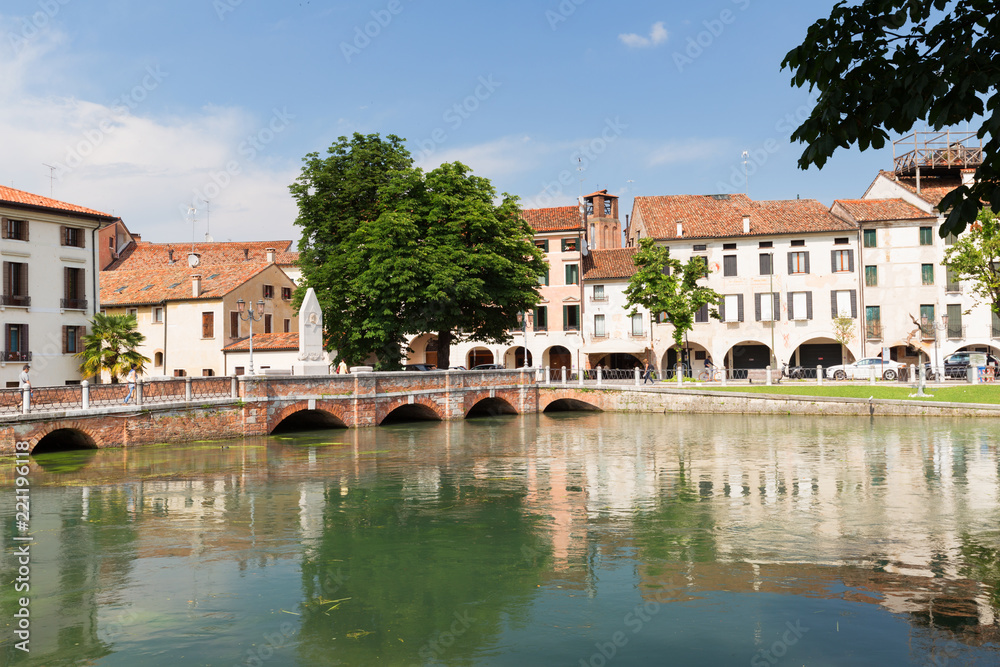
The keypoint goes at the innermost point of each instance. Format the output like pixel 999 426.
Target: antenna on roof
pixel 579 161
pixel 52 172
pixel 746 174
pixel 208 221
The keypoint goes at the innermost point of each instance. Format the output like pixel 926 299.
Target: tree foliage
pixel 883 65
pixel 975 257
pixel 664 284
pixel 392 251
pixel 111 346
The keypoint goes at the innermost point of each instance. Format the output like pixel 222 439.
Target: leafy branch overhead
pixel 975 257
pixel 882 66
pixel 663 284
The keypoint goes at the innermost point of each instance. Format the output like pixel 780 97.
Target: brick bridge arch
pixel 575 399
pixel 506 400
pixel 386 408
pixel 335 409
pixel 92 432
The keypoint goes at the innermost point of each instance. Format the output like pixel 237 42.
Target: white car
pixel 863 369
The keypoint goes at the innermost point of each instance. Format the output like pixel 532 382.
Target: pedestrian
pixel 24 381
pixel 342 368
pixel 130 379
pixel 647 375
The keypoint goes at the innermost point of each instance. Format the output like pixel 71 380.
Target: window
pixel 15 284
pixel 800 305
pixel 700 247
pixel 571 318
pixel 952 283
pixel 871 276
pixel 158 315
pixel 729 246
pixel 207 372
pixel 599 331
pixel 234 324
pixel 572 274
pixel 180 372
pixel 844 303
pixel 798 262
pixel 15 230
pixel 729 265
pixel 955 321
pixel 704 264
pixel 239 370
pixel 208 325
pixel 72 236
pixel 637 321
pixel 542 244
pixel 16 348
pixel 950 239
pixel 926 236
pixel 268 291
pixel 267 323
pixel 766 244
pixel 701 315
pixel 287 325
pixel 569 245
pixel 842 260
pixel 731 308
pixel 72 339
pixel 765 264
pixel 927 274
pixel 873 322
pixel 111 242
pixel 158 359
pixel 286 293
pixel 798 243
pixel 841 240
pixel 927 313
pixel 767 306
pixel 868 238
pixel 132 312
pixel 599 293
pixel 73 295
pixel 542 318
pixel 544 278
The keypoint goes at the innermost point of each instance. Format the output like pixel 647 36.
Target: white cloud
pixel 657 36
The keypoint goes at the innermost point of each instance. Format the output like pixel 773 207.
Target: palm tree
pixel 111 346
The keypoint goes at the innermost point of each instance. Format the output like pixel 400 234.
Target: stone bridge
pixel 185 409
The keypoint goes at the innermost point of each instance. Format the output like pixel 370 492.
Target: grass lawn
pixel 970 393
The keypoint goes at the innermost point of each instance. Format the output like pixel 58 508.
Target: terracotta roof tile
pixel 555 219
pixel 600 193
pixel 26 198
pixel 143 255
pixel 609 264
pixel 871 210
pixel 721 216
pixel 932 188
pixel 151 286
pixel 271 341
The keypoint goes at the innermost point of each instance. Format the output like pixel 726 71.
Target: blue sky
pixel 144 108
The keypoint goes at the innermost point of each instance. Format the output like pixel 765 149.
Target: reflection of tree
pixel 396 578
pixel 681 527
pixel 982 564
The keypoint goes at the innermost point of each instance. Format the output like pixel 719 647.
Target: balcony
pixel 953 288
pixel 873 330
pixel 16 300
pixel 599 299
pixel 73 304
pixel 955 332
pixel 15 355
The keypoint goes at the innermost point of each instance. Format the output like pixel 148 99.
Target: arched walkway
pixel 746 355
pixel 557 357
pixel 514 357
pixel 479 355
pixel 820 351
pixel 423 350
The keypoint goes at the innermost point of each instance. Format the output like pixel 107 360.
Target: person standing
pixel 23 380
pixel 130 379
pixel 342 368
pixel 647 375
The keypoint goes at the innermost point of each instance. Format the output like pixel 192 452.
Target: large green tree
pixel 882 66
pixel 111 346
pixel 422 253
pixel 975 257
pixel 664 284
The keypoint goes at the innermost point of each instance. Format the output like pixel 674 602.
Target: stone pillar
pixel 819 376
pixel 138 391
pixel 310 359
pixel 579 375
pixel 25 400
pixel 679 374
pixel 871 379
pixel 187 389
pixel 767 376
pixel 637 376
pixel 235 388
pixel 600 376
pixel 564 375
pixel 548 376
pixel 85 391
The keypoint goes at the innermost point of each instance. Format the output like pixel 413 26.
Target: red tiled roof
pixel 271 341
pixel 26 198
pixel 555 219
pixel 151 286
pixel 143 255
pixel 932 188
pixel 721 216
pixel 600 193
pixel 871 210
pixel 608 264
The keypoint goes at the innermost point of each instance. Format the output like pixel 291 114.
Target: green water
pixel 566 539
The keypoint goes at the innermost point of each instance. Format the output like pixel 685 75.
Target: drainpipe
pixel 164 302
pixel 97 270
pixel 862 313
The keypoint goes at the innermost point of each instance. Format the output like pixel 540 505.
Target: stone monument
pixel 311 360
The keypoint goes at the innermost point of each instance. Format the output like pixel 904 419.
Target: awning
pixel 612 345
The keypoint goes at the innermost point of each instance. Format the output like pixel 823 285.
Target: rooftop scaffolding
pixel 940 152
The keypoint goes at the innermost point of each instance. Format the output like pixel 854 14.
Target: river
pixel 556 539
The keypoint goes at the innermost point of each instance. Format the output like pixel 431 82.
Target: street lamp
pixel 248 316
pixel 525 320
pixel 931 325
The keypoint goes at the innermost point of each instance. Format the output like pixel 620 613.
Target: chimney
pixel 196 285
pixel 680 229
pixel 968 177
pixel 170 255
pixel 246 254
pixel 270 255
pixel 746 224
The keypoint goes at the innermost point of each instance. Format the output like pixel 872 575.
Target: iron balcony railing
pixel 873 330
pixel 73 304
pixel 15 355
pixel 22 300
pixel 956 331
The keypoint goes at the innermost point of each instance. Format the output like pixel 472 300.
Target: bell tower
pixel 604 230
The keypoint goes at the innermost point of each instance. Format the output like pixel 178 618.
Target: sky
pixel 148 110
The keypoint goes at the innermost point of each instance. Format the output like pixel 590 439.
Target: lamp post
pixel 935 326
pixel 248 316
pixel 525 320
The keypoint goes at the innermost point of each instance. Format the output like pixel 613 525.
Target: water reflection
pixel 507 541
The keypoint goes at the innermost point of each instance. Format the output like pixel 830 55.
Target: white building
pixel 614 338
pixel 50 285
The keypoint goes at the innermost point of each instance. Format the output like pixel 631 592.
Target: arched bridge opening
pixel 412 412
pixel 63 440
pixel 490 407
pixel 308 420
pixel 570 405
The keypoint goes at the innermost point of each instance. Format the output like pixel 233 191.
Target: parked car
pixel 420 367
pixel 488 367
pixel 957 365
pixel 862 369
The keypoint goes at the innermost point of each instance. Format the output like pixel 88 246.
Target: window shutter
pixel 791 308
pixel 807 261
pixel 67 282
pixel 809 305
pixel 64 237
pixel 850 261
pixel 565 317
pixel 722 308
pixel 791 264
pixel 6 345
pixel 739 300
pixel 775 307
pixel 833 261
pixel 6 278
pixel 24 279
pixel 25 348
pixel 65 338
pixel 80 331
pixel 756 305
pixel 833 304
pixel 854 303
